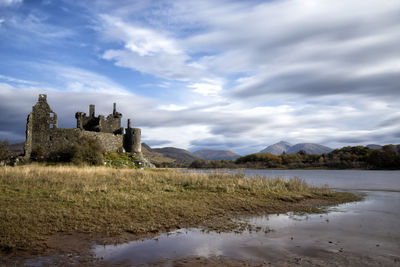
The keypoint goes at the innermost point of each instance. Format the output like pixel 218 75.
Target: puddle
pixel 368 228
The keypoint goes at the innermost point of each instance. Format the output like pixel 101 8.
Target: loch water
pixel 336 179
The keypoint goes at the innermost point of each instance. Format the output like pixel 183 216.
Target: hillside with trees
pixel 350 157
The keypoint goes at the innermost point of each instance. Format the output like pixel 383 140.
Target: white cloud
pixel 172 107
pixel 182 135
pixel 162 65
pixel 140 40
pixel 147 51
pixel 207 87
pixel 276 44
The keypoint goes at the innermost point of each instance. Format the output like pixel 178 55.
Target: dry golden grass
pixel 38 201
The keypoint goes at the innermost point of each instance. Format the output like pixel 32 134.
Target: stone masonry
pixel 42 131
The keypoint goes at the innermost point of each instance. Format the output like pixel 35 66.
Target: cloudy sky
pixel 236 75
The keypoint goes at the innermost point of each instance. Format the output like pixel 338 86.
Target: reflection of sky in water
pixel 180 243
pixel 368 227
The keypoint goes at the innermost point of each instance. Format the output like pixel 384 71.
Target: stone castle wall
pixel 58 139
pixel 111 124
pixel 108 141
pixel 42 131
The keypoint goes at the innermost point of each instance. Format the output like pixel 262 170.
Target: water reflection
pixel 367 227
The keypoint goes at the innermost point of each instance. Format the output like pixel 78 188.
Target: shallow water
pixel 369 227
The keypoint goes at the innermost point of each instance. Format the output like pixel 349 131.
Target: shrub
pixel 38 155
pixel 65 154
pixel 5 152
pixel 87 151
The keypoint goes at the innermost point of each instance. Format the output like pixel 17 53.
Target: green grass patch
pixel 121 160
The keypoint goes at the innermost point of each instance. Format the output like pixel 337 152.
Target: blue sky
pixel 236 75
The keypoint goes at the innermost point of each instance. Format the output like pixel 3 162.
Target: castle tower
pixel 91 110
pixel 132 136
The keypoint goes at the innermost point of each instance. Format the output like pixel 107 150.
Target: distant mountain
pixel 373 146
pixel 283 146
pixel 176 153
pixel 210 154
pixel 277 148
pixel 309 148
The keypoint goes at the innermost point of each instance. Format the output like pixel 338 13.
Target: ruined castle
pixel 42 130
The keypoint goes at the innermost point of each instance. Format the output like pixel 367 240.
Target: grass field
pixel 37 202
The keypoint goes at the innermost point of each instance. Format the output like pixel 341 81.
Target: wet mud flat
pixel 364 233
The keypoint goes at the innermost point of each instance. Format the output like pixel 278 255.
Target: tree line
pixel 350 157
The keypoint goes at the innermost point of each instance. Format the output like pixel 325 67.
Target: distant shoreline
pixel 286 169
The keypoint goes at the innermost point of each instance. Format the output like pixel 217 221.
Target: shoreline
pixel 286 169
pixel 77 248
pixel 48 210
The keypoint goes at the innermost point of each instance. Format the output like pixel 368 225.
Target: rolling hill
pixel 176 153
pixel 153 156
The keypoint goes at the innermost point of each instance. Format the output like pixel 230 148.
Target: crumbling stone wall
pixel 112 124
pixel 58 139
pixel 42 130
pixel 109 141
